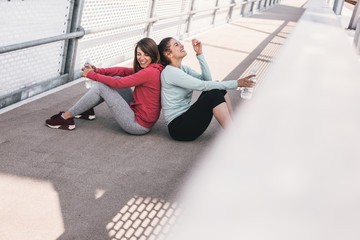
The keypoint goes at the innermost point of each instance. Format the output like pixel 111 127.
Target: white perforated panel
pixel 224 2
pixel 174 27
pixel 115 44
pixel 26 67
pixel 222 16
pixel 247 9
pixel 203 20
pixel 167 32
pixel 23 21
pixel 171 8
pixel 200 22
pixel 29 20
pixel 237 10
pixel 204 4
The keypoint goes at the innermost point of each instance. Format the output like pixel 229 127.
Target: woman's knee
pixel 137 131
pixel 96 87
pixel 215 93
pixel 100 86
pixel 215 97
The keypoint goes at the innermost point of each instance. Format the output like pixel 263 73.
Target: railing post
pixel 338 5
pixel 68 30
pixel 150 15
pixel 259 5
pixel 72 44
pixel 357 36
pixel 190 16
pixel 355 15
pixel 214 14
pixel 231 9
pixel 252 7
pixel 243 6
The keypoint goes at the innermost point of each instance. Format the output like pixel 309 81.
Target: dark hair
pixel 149 47
pixel 164 47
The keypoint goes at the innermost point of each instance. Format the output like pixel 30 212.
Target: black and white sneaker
pixel 57 121
pixel 88 115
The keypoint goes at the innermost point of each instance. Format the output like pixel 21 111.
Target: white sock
pixel 62 115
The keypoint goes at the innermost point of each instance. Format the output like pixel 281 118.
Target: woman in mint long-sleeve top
pixel 187 122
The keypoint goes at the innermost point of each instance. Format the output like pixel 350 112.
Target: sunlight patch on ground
pixel 26 204
pixel 143 219
pixel 99 193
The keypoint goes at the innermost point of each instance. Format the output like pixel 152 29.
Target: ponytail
pixel 163 48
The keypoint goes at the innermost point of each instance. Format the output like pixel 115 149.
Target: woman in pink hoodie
pixel 135 111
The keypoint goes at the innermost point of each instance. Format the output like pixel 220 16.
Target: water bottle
pixel 247 92
pixel 88 81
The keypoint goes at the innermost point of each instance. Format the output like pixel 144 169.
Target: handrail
pixel 152 20
pixel 121 25
pixel 33 43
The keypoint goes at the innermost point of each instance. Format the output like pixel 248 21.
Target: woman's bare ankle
pixel 67 115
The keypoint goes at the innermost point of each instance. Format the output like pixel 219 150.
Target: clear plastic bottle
pixel 88 81
pixel 247 92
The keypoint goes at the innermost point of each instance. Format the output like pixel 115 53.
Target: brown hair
pixel 164 47
pixel 149 47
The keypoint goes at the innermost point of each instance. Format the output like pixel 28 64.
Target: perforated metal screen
pixel 23 68
pixel 174 27
pixel 111 46
pixel 23 21
pixel 237 10
pixel 222 15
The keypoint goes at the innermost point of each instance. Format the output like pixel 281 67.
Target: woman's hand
pixel 245 82
pixel 197 45
pixel 87 68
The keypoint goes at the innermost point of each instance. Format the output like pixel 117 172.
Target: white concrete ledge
pixel 289 166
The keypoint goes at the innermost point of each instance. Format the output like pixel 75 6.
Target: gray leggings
pixel 118 101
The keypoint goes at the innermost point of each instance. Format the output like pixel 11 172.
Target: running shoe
pixel 88 115
pixel 57 121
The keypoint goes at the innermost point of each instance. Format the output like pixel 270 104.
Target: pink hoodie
pixel 147 92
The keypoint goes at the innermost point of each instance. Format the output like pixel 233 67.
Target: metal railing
pixel 38 42
pixel 76 32
pixel 338 5
pixel 80 32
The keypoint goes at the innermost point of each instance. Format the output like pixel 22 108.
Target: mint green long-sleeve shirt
pixel 177 86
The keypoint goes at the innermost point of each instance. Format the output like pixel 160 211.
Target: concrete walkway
pixel 97 182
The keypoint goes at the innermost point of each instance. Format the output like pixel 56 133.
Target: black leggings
pixel 192 123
